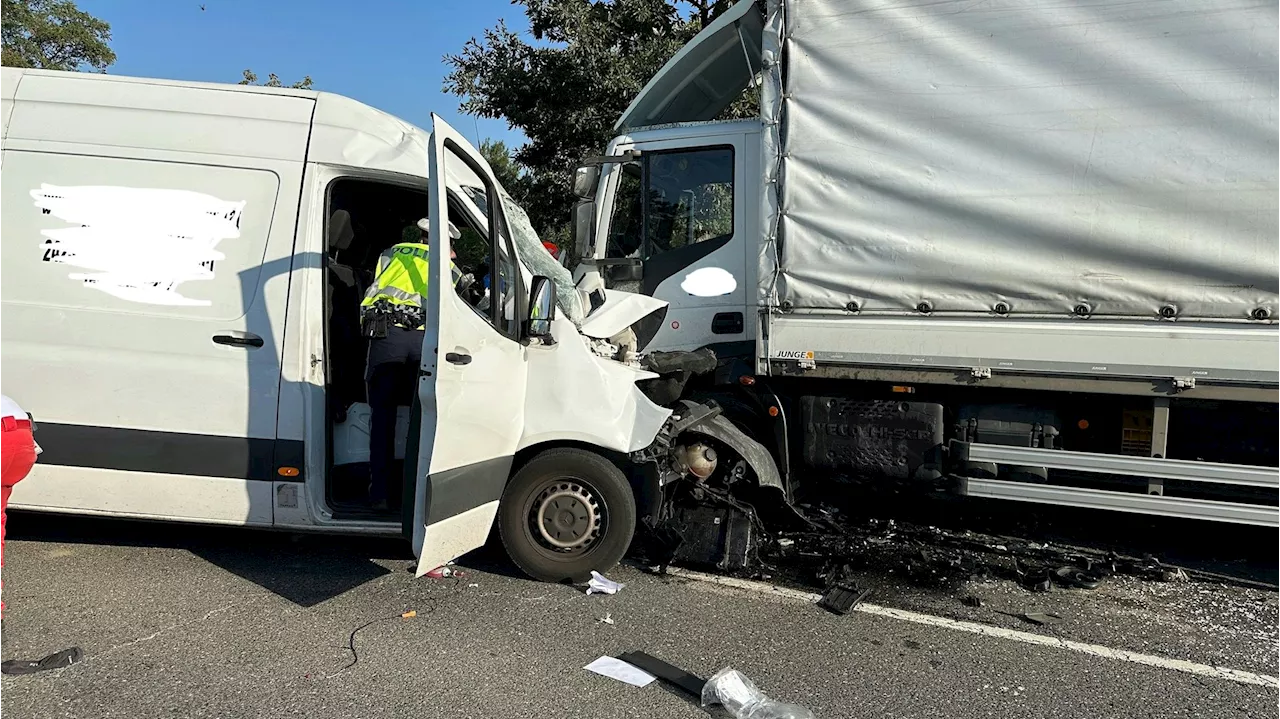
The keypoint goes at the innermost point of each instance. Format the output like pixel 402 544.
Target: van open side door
pixel 471 386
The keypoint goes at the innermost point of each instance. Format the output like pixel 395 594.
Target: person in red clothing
pixel 18 454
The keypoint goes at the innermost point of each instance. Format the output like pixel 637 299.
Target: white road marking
pixel 1178 665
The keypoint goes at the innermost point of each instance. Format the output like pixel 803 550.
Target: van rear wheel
pixel 567 512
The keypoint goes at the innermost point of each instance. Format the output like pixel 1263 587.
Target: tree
pixel 53 35
pixel 251 78
pixel 566 94
pixel 505 168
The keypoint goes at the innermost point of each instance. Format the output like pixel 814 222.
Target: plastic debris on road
pixel 57 660
pixel 601 584
pixel 620 670
pixel 445 572
pixel 740 697
pixel 606 619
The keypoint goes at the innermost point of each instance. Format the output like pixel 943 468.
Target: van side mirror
pixel 584 228
pixel 585 179
pixel 542 307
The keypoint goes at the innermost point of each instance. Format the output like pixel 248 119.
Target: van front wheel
pixel 567 512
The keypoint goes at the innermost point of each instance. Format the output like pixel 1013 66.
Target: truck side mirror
pixel 584 228
pixel 542 307
pixel 585 179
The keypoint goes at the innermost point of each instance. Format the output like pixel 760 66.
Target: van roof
pixel 341 130
pixel 12 74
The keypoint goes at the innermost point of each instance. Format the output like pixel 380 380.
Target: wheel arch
pixel 643 478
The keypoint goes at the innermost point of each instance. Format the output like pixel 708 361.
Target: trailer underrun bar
pixel 1147 467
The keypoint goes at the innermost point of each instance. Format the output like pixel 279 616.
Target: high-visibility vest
pixel 401 277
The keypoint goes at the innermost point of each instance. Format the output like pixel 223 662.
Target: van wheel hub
pixel 568 516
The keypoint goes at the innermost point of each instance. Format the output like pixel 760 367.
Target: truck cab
pixel 675 220
pixel 897 274
pixel 672 210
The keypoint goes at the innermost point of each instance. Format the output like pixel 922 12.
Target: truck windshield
pixel 672 199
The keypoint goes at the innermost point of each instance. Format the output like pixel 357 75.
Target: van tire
pixel 566 512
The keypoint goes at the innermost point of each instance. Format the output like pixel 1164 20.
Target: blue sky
pixel 386 53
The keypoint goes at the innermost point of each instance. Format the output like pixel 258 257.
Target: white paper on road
pixel 620 670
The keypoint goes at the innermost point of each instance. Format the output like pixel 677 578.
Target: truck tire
pixel 566 512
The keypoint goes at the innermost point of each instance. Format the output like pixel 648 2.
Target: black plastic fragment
pixel 1069 576
pixel 841 598
pixel 673 675
pixel 57 660
pixel 1039 618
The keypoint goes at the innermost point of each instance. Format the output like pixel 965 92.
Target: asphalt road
pixel 196 622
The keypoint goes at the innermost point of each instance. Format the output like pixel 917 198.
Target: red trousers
pixel 18 454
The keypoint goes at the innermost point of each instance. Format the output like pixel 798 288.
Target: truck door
pixel 677 212
pixel 471 386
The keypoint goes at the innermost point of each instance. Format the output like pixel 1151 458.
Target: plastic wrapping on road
pixel 744 700
pixel 601 584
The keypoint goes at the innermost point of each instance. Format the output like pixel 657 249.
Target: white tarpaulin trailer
pixel 1119 158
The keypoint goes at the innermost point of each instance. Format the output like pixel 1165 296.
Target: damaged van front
pixel 530 416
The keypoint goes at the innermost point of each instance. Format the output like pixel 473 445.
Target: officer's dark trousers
pixel 392 373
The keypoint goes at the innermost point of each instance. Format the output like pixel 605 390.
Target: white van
pixel 182 269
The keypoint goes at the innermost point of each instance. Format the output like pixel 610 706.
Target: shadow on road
pixel 305 569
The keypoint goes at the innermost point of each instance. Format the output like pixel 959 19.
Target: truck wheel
pixel 565 513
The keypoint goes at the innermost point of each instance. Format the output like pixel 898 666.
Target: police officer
pixel 18 452
pixel 393 318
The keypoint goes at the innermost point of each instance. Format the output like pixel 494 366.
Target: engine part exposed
pixel 720 537
pixel 698 459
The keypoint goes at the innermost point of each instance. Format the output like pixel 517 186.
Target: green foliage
pixel 566 93
pixel 472 249
pixel 504 167
pixel 53 35
pixel 251 78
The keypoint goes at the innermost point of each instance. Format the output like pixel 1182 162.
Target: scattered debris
pixel 690 683
pixel 1075 577
pixel 1040 618
pixel 709 527
pixel 743 700
pixel 473 585
pixel 842 597
pixel 1037 618
pixel 620 670
pixel 57 660
pixel 1040 580
pixel 600 584
pixel 444 572
pixel 606 619
pixel 351 638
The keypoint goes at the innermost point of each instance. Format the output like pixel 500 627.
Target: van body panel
pixel 148 244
